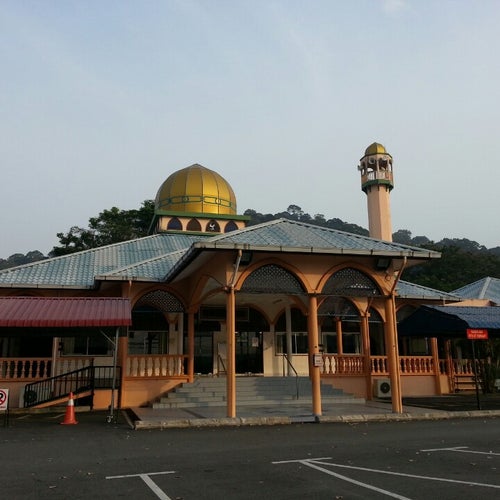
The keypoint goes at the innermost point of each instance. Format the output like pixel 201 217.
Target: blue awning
pixel 449 321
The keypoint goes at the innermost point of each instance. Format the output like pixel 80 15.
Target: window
pixel 147 342
pixel 96 345
pixel 298 335
pixel 299 342
pixel 193 225
pixel 175 224
pixel 351 337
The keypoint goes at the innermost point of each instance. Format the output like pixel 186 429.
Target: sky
pixel 101 101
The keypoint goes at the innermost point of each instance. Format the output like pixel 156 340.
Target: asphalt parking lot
pixel 456 402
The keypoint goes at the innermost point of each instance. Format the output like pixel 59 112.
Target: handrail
pixel 221 360
pixel 285 356
pixel 85 379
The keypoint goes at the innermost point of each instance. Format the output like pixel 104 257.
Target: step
pixel 250 391
pixel 263 403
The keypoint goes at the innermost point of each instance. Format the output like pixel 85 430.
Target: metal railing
pixel 77 381
pixel 285 357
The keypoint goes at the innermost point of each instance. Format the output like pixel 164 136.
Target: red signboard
pixel 477 334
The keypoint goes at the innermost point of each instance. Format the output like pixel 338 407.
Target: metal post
pixel 111 418
pixel 475 375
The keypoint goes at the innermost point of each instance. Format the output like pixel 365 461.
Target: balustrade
pixel 25 368
pixel 416 365
pixel 379 365
pixel 334 364
pixel 155 365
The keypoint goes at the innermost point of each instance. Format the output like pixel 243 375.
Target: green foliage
pixel 294 212
pixel 454 269
pixel 18 259
pixel 111 226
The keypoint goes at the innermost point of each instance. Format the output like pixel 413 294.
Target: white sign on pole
pixel 4 399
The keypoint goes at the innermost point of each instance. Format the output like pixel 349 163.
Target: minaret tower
pixel 377 183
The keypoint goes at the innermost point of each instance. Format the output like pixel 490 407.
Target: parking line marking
pixel 319 461
pixel 463 449
pixel 149 482
pixel 313 465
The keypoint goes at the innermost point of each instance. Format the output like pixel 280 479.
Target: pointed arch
pixel 230 226
pixel 272 278
pixel 212 226
pixel 174 224
pixel 161 300
pixel 351 282
pixel 193 225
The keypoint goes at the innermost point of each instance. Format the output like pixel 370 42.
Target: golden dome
pixel 196 190
pixel 375 149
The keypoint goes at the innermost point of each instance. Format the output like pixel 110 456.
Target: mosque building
pixel 207 296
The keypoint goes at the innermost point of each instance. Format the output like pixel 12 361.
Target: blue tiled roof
pixel 78 270
pixel 158 257
pixel 449 320
pixel 285 233
pixel 150 270
pixel 407 290
pixel 486 288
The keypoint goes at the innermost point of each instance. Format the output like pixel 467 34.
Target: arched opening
pixel 230 226
pixel 213 226
pixel 193 225
pixel 174 224
pixel 150 332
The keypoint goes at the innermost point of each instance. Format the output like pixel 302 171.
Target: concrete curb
pixel 261 421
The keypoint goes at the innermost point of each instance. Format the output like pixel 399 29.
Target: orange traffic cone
pixel 69 418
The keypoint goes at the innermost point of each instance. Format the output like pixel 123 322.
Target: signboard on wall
pixel 477 334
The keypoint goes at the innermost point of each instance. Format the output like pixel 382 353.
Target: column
pixel 190 347
pixel 435 360
pixel 231 352
pixel 391 346
pixel 365 335
pixel 313 341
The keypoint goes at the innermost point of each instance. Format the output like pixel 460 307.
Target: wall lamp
pixel 383 263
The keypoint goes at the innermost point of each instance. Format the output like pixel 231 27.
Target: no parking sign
pixel 4 399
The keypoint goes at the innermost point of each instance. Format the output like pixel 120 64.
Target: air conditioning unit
pixel 382 388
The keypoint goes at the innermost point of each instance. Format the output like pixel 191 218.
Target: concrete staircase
pixel 251 391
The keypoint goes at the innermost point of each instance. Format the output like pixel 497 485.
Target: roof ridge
pixel 487 282
pixel 246 229
pixel 143 262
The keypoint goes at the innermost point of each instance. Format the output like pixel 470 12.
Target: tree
pixel 111 226
pixel 454 269
pixel 18 259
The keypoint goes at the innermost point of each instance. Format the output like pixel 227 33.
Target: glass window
pixel 147 342
pixel 351 337
pixel 86 346
pixel 299 342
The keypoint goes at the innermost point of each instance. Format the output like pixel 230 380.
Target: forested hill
pixel 463 261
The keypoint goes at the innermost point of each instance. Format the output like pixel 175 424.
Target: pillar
pixel 391 346
pixel 190 346
pixel 231 352
pixel 365 335
pixel 313 341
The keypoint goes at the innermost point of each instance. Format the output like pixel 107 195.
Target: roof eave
pixel 216 245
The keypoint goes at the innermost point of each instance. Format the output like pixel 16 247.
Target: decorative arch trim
pixel 271 278
pixel 351 282
pixel 161 300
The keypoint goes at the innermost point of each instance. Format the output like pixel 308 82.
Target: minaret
pixel 377 183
